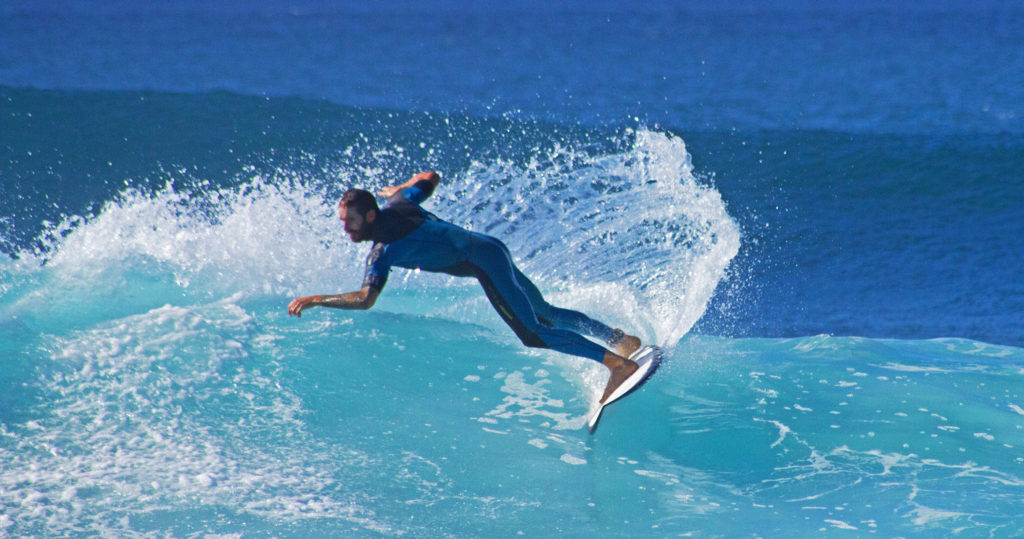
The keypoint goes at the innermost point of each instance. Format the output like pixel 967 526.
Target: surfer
pixel 407 236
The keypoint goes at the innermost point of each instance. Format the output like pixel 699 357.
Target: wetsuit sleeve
pixel 419 192
pixel 377 268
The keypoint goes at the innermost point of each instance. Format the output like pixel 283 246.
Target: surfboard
pixel 649 359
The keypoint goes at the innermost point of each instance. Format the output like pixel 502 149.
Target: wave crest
pixel 629 234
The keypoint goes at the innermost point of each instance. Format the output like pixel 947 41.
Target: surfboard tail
pixel 595 418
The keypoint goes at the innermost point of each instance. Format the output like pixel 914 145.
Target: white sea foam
pixel 266 236
pixel 783 430
pixel 135 421
pixel 570 459
pixel 839 524
pixel 525 399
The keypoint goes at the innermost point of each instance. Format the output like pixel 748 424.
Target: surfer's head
pixel 358 210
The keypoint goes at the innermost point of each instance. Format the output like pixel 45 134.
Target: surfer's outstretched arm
pixel 359 300
pixel 429 176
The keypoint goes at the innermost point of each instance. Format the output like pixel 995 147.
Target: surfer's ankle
pixel 628 346
pixel 623 343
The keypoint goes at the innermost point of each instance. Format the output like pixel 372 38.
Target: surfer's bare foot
pixel 627 346
pixel 621 368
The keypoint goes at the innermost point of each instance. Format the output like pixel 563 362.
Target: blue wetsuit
pixel 407 236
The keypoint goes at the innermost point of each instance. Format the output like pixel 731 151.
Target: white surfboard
pixel 649 358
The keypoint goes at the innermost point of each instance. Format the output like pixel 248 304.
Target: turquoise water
pixel 815 210
pixel 226 417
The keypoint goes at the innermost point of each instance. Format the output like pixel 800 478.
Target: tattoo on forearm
pixel 342 301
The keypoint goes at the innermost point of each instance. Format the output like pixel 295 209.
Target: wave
pixel 630 233
pixel 151 356
pixel 228 415
pixel 843 233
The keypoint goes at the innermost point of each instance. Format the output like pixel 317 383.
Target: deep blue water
pixel 816 209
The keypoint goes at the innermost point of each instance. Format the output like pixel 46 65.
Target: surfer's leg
pixel 512 304
pixel 497 274
pixel 624 343
pixel 559 317
pixel 548 314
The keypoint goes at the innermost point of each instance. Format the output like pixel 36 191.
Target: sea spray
pixel 628 235
pixel 632 234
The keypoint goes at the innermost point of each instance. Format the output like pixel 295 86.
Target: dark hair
pixel 359 200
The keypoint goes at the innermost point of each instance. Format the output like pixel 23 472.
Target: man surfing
pixel 407 236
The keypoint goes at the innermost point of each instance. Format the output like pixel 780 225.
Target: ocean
pixel 815 209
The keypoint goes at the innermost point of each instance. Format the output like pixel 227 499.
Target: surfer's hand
pixel 389 192
pixel 298 305
pixel 430 176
